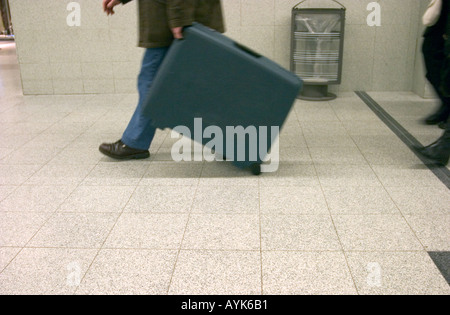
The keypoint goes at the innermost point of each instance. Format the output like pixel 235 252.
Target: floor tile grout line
pixel 403 216
pixel 51 215
pixel 376 175
pixel 230 214
pixel 335 228
pixel 384 188
pixel 15 256
pixel 184 232
pixel 442 173
pixel 112 228
pixel 378 178
pixel 47 162
pixel 340 241
pixel 42 132
pixel 383 185
pixel 405 137
pixel 57 209
pixel 225 249
pixel 386 118
pixel 16 187
pixel 160 145
pixel 330 215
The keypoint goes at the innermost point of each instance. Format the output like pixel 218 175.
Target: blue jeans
pixel 140 132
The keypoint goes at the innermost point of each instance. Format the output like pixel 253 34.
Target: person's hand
pixel 177 32
pixel 108 6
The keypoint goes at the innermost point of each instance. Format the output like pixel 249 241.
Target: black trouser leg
pixel 434 57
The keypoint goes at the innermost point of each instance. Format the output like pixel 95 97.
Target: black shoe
pixel 444 125
pixel 121 151
pixel 440 116
pixel 438 152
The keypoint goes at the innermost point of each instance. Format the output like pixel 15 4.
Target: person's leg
pixel 434 57
pixel 140 132
pixel 137 138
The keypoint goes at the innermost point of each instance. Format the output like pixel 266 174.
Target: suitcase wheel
pixel 256 169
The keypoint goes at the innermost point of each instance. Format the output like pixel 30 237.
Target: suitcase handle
pixel 248 50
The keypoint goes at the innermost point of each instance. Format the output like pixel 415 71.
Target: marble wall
pixel 100 55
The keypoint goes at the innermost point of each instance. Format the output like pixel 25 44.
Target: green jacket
pixel 157 17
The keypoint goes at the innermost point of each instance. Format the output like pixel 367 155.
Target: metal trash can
pixel 317 46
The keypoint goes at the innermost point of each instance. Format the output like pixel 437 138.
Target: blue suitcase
pixel 209 81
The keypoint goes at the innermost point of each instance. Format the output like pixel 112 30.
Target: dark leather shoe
pixel 440 116
pixel 121 151
pixel 438 152
pixel 444 125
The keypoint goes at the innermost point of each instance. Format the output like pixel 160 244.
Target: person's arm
pixel 108 5
pixel 179 15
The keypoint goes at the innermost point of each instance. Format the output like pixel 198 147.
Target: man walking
pixel 160 23
pixel 439 151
